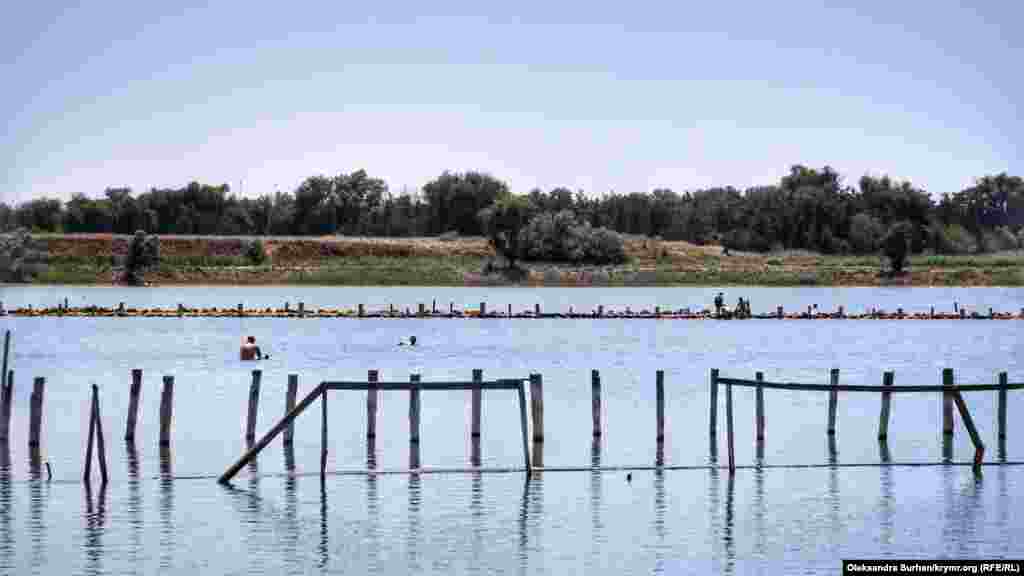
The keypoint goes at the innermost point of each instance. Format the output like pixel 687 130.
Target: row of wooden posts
pixel 951 395
pixel 422 311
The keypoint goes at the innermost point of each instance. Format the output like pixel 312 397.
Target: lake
pixel 164 512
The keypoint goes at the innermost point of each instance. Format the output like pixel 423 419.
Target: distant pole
pixel 1001 408
pixel 759 401
pixel 371 404
pixel 659 392
pixel 36 412
pixel 5 407
pixel 133 405
pixel 323 433
pixel 100 444
pixel 289 405
pixel 713 419
pixel 947 401
pixel 7 349
pixel 254 402
pixel 166 410
pixel 522 423
pixel 595 401
pixel 833 401
pixel 883 418
pixel 537 406
pixel 728 427
pixel 476 397
pixel 414 409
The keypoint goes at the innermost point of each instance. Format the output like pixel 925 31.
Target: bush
pixel 255 252
pixel 560 238
pixel 897 245
pixel 1000 239
pixel 143 253
pixel 449 236
pixel 865 233
pixel 21 258
pixel 960 241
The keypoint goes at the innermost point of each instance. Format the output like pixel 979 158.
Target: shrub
pixel 255 252
pixel 960 241
pixel 560 238
pixel 449 236
pixel 21 257
pixel 143 253
pixel 865 233
pixel 897 245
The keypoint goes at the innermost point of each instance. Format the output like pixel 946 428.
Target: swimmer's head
pixel 250 339
pixel 412 340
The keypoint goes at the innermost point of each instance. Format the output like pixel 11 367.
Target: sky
pixel 623 96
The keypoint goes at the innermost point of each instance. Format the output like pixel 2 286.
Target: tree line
pixel 808 209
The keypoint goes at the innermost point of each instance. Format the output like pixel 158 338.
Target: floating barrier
pixel 422 311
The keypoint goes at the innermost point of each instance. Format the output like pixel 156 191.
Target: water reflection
pixel 323 549
pixel 885 502
pixel 290 538
pixel 728 538
pixel 38 496
pixel 134 506
pixel 833 451
pixel 659 520
pixel 759 512
pixel 372 506
pixel 6 511
pixel 166 511
pixel 476 514
pixel 95 522
pixel 414 533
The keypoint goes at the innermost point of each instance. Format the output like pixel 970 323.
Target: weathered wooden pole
pixel 833 401
pixel 483 308
pixel 414 409
pixel 90 439
pixel 536 309
pixel 728 427
pixel 713 420
pixel 7 349
pixel 289 405
pixel 362 310
pixel 254 403
pixel 166 410
pixel 1001 406
pixel 759 401
pixel 947 401
pixel 35 424
pixel 778 312
pixel 537 406
pixel 659 394
pixel 422 311
pixel 979 447
pixel 476 397
pixel 883 417
pixel 509 310
pixel 241 310
pixel 522 424
pixel 433 307
pixel 133 405
pixel 5 407
pixel 302 308
pixel 371 404
pixel 101 446
pixel 595 401
pixel 323 433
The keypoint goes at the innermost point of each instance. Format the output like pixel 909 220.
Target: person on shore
pixel 249 350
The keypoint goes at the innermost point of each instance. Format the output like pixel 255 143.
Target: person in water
pixel 412 341
pixel 249 350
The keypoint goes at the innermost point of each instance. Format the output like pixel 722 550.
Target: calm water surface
pixel 164 513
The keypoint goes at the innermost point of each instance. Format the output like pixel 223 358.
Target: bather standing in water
pixel 249 350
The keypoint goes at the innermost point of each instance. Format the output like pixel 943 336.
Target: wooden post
pixel 883 417
pixel 289 405
pixel 728 427
pixel 371 404
pixel 414 410
pixel 947 402
pixel 600 310
pixel 979 447
pixel 362 310
pixel 537 406
pixel 595 401
pixel 713 420
pixel 422 309
pixel 241 311
pixel 35 424
pixel 833 400
pixel 759 401
pixel 536 310
pixel 7 349
pixel 451 308
pixel 659 394
pixel 254 403
pixel 323 433
pixel 101 447
pixel 302 308
pixel 522 424
pixel 778 312
pixel 133 405
pixel 1001 406
pixel 166 410
pixel 509 310
pixel 92 435
pixel 181 309
pixel 433 307
pixel 5 407
pixel 476 395
pixel 483 308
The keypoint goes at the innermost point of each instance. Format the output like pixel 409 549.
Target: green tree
pixel 897 245
pixel 503 222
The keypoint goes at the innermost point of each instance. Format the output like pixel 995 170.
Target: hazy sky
pixel 625 96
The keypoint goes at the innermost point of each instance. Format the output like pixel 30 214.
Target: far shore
pixel 90 259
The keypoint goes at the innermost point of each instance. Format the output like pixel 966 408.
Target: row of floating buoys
pixel 392 312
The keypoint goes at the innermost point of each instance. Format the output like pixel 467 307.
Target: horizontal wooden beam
pixel 866 388
pixel 511 384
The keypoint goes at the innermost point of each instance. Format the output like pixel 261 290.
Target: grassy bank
pixel 430 261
